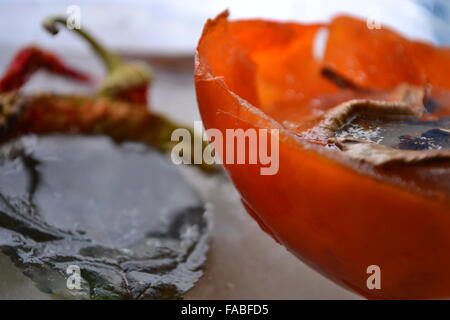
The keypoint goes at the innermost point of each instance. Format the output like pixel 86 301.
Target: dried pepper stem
pixel 125 81
pixel 46 113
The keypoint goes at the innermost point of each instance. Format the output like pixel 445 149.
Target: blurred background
pixel 172 26
pixel 244 262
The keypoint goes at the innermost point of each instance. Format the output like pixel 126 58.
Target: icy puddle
pixel 404 135
pixel 121 215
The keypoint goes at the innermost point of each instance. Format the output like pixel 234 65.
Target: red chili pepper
pixel 124 81
pixel 29 60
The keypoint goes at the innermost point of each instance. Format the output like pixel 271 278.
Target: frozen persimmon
pixel 364 145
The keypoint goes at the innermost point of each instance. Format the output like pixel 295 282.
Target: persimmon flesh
pixel 338 214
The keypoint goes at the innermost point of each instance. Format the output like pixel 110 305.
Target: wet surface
pixel 404 135
pixel 432 177
pixel 123 215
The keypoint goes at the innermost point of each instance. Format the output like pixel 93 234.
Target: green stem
pixel 110 60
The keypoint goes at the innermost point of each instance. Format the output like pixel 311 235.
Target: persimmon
pixel 341 201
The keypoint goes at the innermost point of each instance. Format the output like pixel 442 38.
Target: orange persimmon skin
pixel 335 218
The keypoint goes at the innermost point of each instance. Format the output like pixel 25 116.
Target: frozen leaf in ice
pixel 121 215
